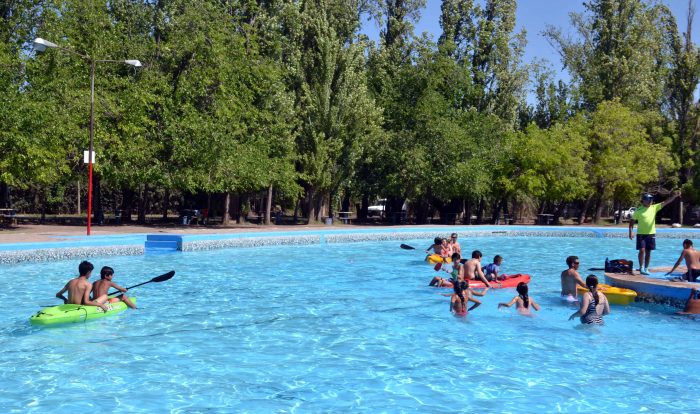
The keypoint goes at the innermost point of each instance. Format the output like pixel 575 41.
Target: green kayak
pixel 55 315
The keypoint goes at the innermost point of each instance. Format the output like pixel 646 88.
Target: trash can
pixel 329 221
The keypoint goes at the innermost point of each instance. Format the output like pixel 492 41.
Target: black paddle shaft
pixel 161 278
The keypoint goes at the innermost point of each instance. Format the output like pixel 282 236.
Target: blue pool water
pixel 342 328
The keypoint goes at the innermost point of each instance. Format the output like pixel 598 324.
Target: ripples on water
pixel 337 328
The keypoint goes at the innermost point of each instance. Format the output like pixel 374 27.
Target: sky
pixel 534 16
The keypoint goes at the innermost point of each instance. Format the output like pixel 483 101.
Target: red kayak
pixel 505 281
pixel 510 281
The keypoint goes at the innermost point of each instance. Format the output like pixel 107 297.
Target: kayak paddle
pixel 161 278
pixel 407 247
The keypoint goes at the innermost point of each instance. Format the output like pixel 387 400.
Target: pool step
pixel 162 243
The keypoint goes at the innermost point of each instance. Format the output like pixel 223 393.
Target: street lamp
pixel 40 45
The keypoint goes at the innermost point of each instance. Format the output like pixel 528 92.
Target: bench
pixel 344 216
pixel 9 215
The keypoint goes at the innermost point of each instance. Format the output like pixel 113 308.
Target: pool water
pixel 342 328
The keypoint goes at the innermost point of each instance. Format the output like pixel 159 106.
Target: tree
pixel 622 52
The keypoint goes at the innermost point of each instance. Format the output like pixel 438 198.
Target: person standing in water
pixel 523 302
pixel 594 304
pixel 569 279
pixel 646 228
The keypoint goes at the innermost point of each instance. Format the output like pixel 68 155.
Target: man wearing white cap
pixel 646 228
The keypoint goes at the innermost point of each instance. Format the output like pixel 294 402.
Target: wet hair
pixel 522 292
pixel 497 257
pixel 592 282
pixel 106 271
pixel 85 267
pixel 459 287
pixel 570 260
pixel 687 242
pixel 438 240
pixel 476 254
pixel 453 235
pixel 455 257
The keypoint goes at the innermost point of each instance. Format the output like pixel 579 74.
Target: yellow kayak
pixel 436 258
pixel 615 295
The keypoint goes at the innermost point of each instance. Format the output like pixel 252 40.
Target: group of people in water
pixel 82 292
pixel 590 309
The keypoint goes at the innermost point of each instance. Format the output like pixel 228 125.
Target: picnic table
pixel 545 219
pixel 344 216
pixel 9 214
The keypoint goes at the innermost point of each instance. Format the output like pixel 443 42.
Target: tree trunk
pixel 143 204
pixel 311 204
pixel 584 210
pixel 480 211
pixel 268 206
pixel 362 214
pixel 468 211
pixel 98 212
pixel 127 204
pixel 243 209
pixel 600 204
pixel 166 203
pixel 78 205
pixel 227 202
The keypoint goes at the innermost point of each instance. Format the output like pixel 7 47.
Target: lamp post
pixel 40 45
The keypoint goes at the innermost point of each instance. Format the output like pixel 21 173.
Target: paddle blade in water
pixel 164 277
pixel 407 247
pixel 438 266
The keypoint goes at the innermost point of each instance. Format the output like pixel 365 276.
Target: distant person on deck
pixel 569 279
pixel 646 228
pixel 100 289
pixel 79 288
pixel 692 261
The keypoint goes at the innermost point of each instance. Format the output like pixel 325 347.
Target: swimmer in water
pixel 462 294
pixel 523 302
pixel 594 304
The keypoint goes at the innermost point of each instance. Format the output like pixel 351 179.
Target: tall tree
pixel 622 52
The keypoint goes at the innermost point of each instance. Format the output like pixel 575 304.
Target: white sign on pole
pixel 85 157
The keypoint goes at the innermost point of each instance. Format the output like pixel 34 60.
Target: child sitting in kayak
pixel 101 287
pixel 523 302
pixel 79 288
pixel 440 247
pixel 457 269
pixel 491 270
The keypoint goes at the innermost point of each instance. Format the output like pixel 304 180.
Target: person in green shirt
pixel 646 228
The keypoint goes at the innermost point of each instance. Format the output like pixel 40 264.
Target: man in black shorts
pixel 646 229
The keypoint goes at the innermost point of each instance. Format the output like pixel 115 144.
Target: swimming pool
pixel 339 328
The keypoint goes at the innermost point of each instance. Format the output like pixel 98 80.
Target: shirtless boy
pixel 101 287
pixel 79 288
pixel 569 279
pixel 472 268
pixel 692 261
